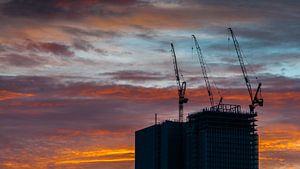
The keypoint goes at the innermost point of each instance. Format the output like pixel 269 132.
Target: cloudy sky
pixel 78 77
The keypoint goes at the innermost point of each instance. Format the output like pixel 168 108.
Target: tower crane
pixel 203 67
pixel 255 101
pixel 181 85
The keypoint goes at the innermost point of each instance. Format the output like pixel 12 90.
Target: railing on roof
pixel 225 108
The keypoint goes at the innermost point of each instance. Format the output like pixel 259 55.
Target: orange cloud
pixel 96 161
pixel 71 157
pixel 143 93
pixel 130 92
pixel 279 146
pixel 96 156
pixel 100 153
pixel 9 95
pixel 280 138
pixel 11 164
pixel 270 159
pixel 69 133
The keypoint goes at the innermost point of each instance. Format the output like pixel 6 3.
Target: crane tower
pixel 180 85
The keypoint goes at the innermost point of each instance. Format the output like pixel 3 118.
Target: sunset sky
pixel 79 77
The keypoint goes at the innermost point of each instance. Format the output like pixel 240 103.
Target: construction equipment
pixel 255 101
pixel 181 85
pixel 203 67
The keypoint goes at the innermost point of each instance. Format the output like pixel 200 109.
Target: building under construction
pixel 219 137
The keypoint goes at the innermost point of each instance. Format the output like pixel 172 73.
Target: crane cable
pixel 209 71
pixel 179 68
pixel 245 58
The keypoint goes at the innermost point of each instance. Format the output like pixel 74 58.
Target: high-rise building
pixel 220 137
pixel 159 146
pixel 147 147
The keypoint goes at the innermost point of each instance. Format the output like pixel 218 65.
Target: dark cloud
pixel 30 8
pixel 269 7
pixel 235 68
pixel 261 37
pixel 82 45
pixel 22 60
pixel 132 75
pixel 2 48
pixel 33 84
pixel 86 46
pixel 280 83
pixel 101 51
pixel 272 35
pixel 54 48
pixel 270 82
pixel 146 36
pixel 75 105
pixel 60 8
pixel 77 32
pixel 63 104
pixel 73 113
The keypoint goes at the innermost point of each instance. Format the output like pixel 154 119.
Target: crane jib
pixel 254 100
pixel 204 72
pixel 180 85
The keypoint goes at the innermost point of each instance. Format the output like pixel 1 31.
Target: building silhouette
pixel 160 146
pixel 219 137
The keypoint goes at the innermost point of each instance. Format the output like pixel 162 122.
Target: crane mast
pixel 203 67
pixel 180 85
pixel 255 101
